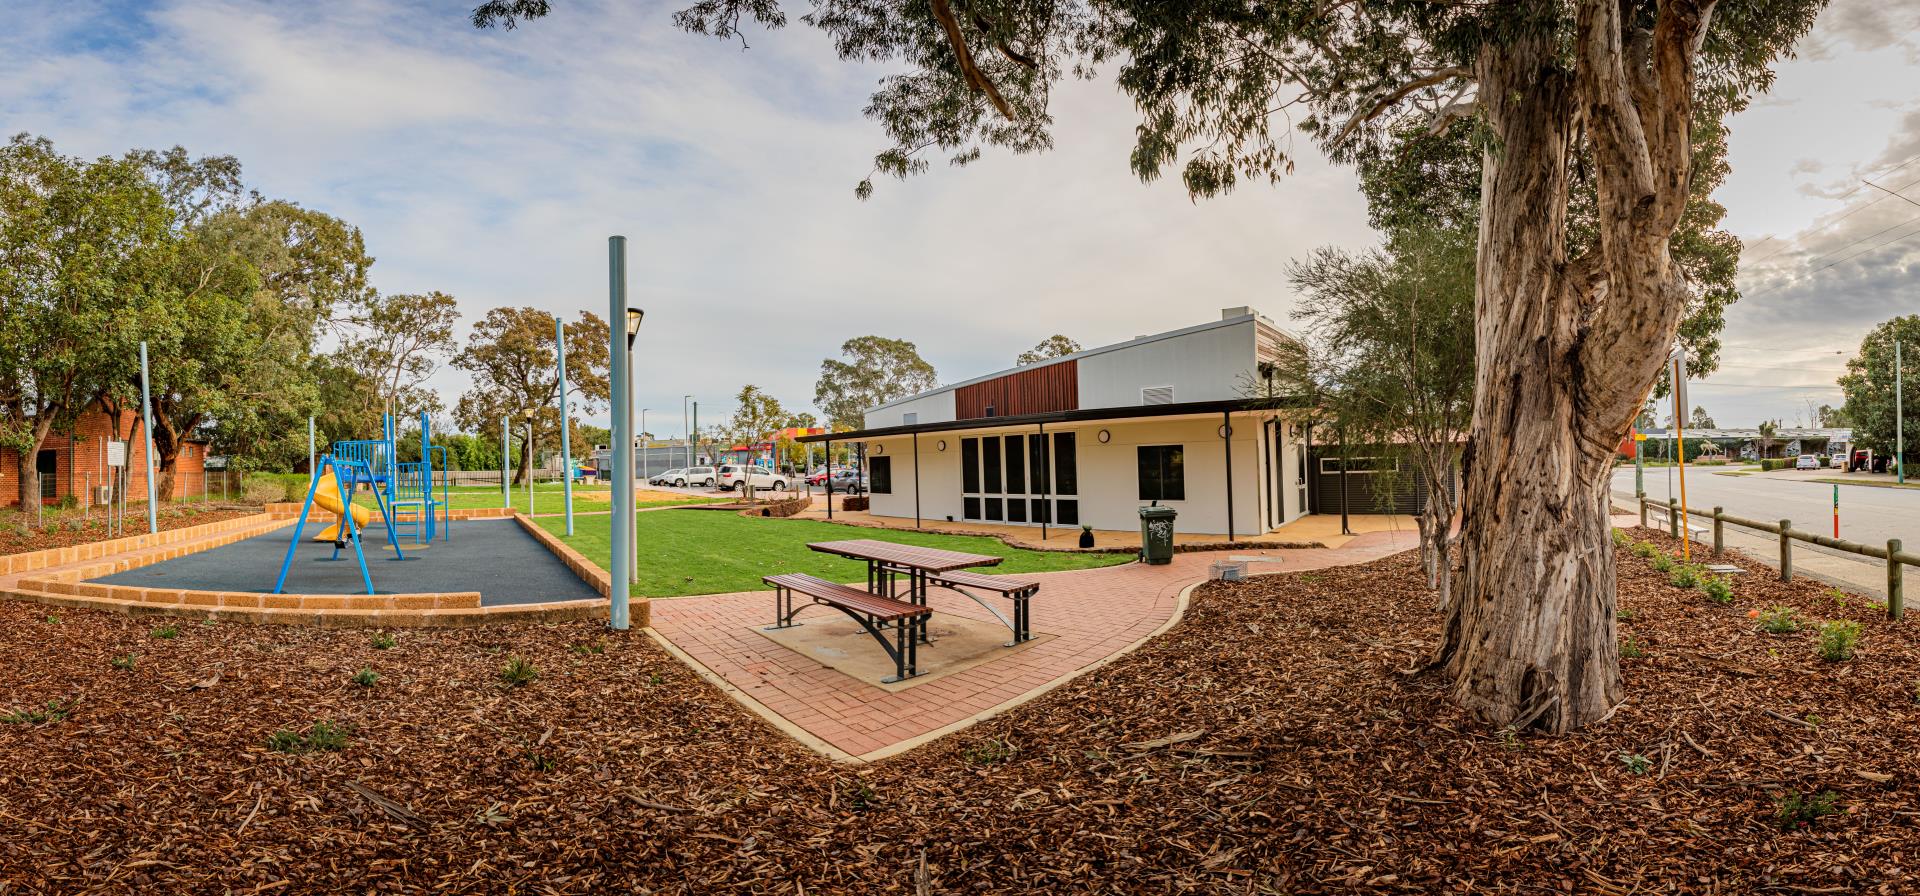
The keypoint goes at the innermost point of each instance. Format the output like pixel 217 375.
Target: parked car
pixel 732 476
pixel 1807 462
pixel 1839 461
pixel 668 477
pixel 849 482
pixel 696 476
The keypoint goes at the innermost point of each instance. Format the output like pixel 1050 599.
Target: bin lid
pixel 1157 512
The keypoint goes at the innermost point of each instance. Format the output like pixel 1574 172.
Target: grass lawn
pixel 701 552
pixel 550 498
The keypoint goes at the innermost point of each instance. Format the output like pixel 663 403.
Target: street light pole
pixel 620 341
pixel 686 432
pixel 1899 418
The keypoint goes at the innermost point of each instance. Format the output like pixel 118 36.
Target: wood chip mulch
pixel 1274 742
pixel 66 528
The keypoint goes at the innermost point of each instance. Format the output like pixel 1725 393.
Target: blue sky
pixel 493 165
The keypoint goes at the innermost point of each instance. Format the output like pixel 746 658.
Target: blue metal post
pixel 566 443
pixel 505 499
pixel 621 518
pixel 426 474
pixel 300 528
pixel 146 415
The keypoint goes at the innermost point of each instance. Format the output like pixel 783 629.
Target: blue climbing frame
pixel 344 472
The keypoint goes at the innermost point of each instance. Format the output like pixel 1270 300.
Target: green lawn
pixel 547 498
pixel 712 552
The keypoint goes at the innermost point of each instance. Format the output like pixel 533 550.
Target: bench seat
pixel 878 614
pixel 1019 590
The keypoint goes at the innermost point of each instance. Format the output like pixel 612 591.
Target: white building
pixel 1089 438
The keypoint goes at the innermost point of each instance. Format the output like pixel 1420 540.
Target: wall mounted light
pixel 1225 430
pixel 943 445
pixel 1105 437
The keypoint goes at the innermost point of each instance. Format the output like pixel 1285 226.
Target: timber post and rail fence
pixel 1896 558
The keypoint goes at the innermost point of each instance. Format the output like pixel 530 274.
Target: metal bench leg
pixel 783 611
pixel 913 646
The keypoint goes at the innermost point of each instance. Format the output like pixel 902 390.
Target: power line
pixel 1836 221
pixel 1780 286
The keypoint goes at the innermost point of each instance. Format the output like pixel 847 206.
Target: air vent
pixel 1156 395
pixel 909 419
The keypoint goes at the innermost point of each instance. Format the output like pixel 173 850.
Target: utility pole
pixel 686 432
pixel 1899 418
pixel 566 441
pixel 621 344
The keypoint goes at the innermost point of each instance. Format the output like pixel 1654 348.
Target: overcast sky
pixel 493 166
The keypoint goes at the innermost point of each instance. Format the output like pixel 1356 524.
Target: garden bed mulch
pixel 1272 743
pixel 65 528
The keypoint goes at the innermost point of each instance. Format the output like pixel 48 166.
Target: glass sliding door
pixel 1016 479
pixel 1025 479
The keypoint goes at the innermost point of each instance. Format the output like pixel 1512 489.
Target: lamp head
pixel 634 316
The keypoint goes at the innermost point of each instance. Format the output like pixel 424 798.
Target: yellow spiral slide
pixel 327 496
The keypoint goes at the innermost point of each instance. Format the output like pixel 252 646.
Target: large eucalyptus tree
pixel 1571 328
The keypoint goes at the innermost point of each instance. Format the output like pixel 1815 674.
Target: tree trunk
pixel 27 470
pixel 1529 638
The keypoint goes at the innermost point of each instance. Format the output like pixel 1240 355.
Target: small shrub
pixel 859 794
pixel 1631 649
pixel 1838 639
pixel 518 672
pixel 1718 589
pixel 1623 614
pixel 1780 620
pixel 991 751
pixel 1644 549
pixel 322 736
pixel 53 619
pixel 1798 810
pixel 1636 763
pixel 1685 575
pixel 595 647
pixel 55 711
pixel 125 663
pixel 167 632
pixel 1662 563
pixel 382 641
pixel 541 762
pixel 1621 539
pixel 365 678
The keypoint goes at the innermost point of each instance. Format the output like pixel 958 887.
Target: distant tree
pixel 510 355
pixel 1768 430
pixel 1700 420
pixel 1052 347
pixel 400 340
pixel 1828 415
pixel 1868 384
pixel 876 370
pixel 1647 419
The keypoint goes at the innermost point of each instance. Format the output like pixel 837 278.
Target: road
pixel 1867 514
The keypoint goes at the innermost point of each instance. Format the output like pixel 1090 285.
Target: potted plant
pixel 1086 536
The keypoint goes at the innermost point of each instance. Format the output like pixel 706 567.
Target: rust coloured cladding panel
pixel 1054 387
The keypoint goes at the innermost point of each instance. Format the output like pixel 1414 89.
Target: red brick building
pixel 73 465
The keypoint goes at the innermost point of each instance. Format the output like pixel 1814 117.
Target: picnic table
pixel 924 567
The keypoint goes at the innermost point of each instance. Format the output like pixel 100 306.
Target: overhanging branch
pixel 1396 95
pixel 969 69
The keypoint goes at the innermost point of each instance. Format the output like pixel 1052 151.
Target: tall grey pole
pixel 528 448
pixel 686 434
pixel 620 558
pixel 566 443
pixel 694 431
pixel 506 500
pixel 1899 418
pixel 310 457
pixel 146 430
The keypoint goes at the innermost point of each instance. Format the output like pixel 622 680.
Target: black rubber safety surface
pixel 494 557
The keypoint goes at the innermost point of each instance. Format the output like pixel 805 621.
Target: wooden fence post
pixel 1643 509
pixel 1719 532
pixel 1786 551
pixel 1896 603
pixel 1673 517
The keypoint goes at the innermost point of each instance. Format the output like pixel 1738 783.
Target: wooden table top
pixel 904 555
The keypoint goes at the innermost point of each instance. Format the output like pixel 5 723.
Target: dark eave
pixel 1229 406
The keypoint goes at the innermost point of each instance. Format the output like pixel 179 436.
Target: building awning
pixel 1085 415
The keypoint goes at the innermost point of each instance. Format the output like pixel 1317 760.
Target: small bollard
pixel 1719 532
pixel 1786 551
pixel 1673 517
pixel 1896 604
pixel 1643 509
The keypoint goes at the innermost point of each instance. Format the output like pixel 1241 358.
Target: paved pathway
pixel 1094 614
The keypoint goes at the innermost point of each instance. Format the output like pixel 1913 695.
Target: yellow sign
pixel 1639 436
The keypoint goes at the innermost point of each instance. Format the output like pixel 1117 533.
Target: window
pixel 909 419
pixel 880 475
pixel 990 454
pixel 970 465
pixel 1066 479
pixel 1037 454
pixel 1162 473
pixel 1017 471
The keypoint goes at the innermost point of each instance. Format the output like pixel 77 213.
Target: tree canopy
pixel 1868 384
pixel 511 355
pixel 1055 346
pixel 876 370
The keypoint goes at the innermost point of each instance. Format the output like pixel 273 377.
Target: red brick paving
pixel 1093 613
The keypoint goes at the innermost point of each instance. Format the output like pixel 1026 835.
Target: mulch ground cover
pixel 1274 742
pixel 64 528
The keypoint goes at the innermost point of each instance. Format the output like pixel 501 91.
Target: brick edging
pixel 599 579
pixel 557 611
pixel 15 564
pixel 1190 548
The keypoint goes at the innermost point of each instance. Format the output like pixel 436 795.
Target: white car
pixel 668 478
pixel 1807 462
pixel 696 476
pixel 732 475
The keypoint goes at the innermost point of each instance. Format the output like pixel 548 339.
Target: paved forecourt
pixel 1091 615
